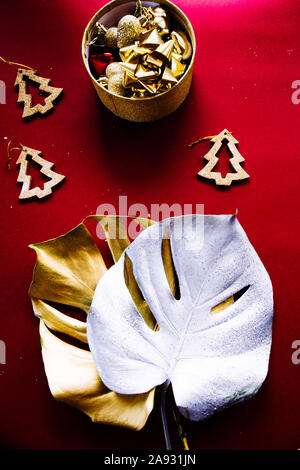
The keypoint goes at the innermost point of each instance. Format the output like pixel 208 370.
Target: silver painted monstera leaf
pixel 212 359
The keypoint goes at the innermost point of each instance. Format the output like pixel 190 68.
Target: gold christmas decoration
pixel 142 73
pixel 115 84
pixel 128 79
pixel 182 44
pixel 129 30
pixel 147 97
pixel 151 39
pixel 177 67
pixel 127 67
pixel 150 61
pixel 211 157
pixel 113 69
pixel 160 12
pixel 111 38
pixel 147 51
pixel 23 177
pixel 147 61
pixel 162 24
pixel 168 76
pixel 26 98
pixel 164 51
pixel 31 75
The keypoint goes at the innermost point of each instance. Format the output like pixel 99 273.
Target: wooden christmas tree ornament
pixel 211 156
pixel 23 177
pixel 26 98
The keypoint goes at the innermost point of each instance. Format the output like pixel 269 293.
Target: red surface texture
pixel 248 56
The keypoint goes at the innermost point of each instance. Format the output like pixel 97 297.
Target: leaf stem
pixel 181 433
pixel 163 414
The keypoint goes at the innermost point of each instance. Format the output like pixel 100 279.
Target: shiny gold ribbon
pixel 19 146
pixel 204 139
pixel 9 62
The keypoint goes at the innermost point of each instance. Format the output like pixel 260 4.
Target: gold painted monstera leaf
pixel 66 273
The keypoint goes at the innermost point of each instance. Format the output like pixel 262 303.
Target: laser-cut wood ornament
pixel 23 177
pixel 235 161
pixel 26 98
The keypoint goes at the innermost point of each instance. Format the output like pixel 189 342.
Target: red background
pixel 247 58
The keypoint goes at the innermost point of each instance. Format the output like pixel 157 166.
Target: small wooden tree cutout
pixel 23 177
pixel 235 161
pixel 26 98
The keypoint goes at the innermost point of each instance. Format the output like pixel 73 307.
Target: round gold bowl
pixel 148 108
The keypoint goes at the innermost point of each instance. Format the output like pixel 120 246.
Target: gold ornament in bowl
pixel 140 58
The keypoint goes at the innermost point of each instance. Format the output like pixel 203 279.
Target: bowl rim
pixel 94 18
